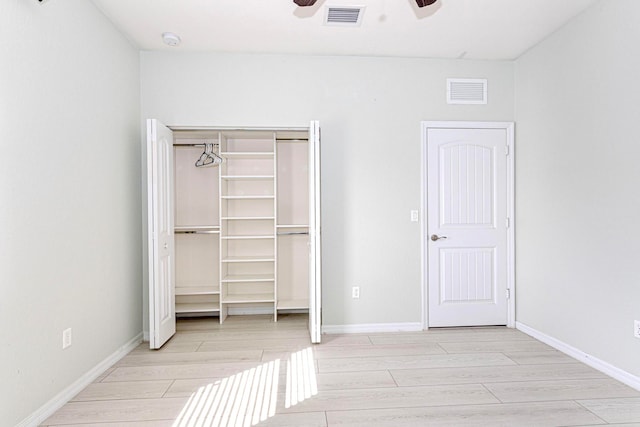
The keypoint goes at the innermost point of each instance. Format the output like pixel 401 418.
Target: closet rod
pixel 196 232
pixel 292 139
pixel 192 145
pixel 292 233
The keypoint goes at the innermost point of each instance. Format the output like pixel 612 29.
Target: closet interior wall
pixel 242 227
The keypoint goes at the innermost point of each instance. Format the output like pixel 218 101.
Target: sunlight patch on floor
pixel 249 397
pixel 242 399
pixel 301 377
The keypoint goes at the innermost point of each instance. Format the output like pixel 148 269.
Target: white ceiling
pixel 473 29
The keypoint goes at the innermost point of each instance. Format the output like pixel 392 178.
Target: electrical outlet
pixel 414 216
pixel 636 328
pixel 66 338
pixel 355 292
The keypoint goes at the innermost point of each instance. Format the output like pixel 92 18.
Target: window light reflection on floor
pixel 249 397
pixel 242 399
pixel 301 377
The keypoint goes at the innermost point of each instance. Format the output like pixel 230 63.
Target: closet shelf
pixel 243 278
pixel 247 177
pixel 196 227
pixel 267 258
pixel 292 226
pixel 197 290
pixel 245 218
pixel 253 237
pixel 245 298
pixel 300 304
pixel 197 307
pixel 246 197
pixel 247 154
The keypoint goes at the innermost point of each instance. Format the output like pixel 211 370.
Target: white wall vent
pixel 350 16
pixel 466 91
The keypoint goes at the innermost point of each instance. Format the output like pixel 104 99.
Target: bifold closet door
pixel 162 316
pixel 315 252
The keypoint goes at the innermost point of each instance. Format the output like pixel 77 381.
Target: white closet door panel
pixel 315 247
pixel 162 318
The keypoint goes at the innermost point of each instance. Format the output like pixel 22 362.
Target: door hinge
pixel 508 222
pixel 508 293
pixel 506 150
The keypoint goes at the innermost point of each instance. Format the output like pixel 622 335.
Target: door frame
pixel 314 148
pixel 424 238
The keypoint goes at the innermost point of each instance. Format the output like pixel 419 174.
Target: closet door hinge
pixel 507 222
pixel 506 150
pixel 508 293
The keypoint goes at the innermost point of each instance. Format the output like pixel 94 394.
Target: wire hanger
pixel 209 157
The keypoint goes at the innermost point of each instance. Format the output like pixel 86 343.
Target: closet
pixel 234 224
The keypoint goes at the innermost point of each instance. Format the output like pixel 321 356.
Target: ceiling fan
pixel 305 3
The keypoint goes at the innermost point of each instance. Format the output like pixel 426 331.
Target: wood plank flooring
pixel 251 371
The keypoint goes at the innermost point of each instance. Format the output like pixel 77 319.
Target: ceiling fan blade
pixel 305 3
pixel 423 3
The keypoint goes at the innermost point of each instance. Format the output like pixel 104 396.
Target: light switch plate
pixel 66 338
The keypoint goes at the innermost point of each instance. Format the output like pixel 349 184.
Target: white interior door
pixel 467 237
pixel 162 316
pixel 315 252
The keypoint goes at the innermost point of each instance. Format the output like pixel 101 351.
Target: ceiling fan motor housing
pixel 304 3
pixel 423 3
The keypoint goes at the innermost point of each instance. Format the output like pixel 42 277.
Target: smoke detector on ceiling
pixel 171 39
pixel 349 16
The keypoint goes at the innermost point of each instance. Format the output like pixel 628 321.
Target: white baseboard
pixel 58 401
pixel 371 328
pixel 602 366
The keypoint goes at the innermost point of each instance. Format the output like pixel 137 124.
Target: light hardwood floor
pixel 251 371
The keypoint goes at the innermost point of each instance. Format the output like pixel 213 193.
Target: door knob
pixel 435 237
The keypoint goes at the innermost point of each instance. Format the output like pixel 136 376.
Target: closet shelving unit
pixel 241 226
pixel 248 249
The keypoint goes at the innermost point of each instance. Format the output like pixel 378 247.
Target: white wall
pixel 69 197
pixel 577 174
pixel 370 111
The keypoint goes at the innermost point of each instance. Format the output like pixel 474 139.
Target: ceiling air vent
pixel 346 15
pixel 466 91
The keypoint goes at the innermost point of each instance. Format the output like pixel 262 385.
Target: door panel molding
pixel 508 127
